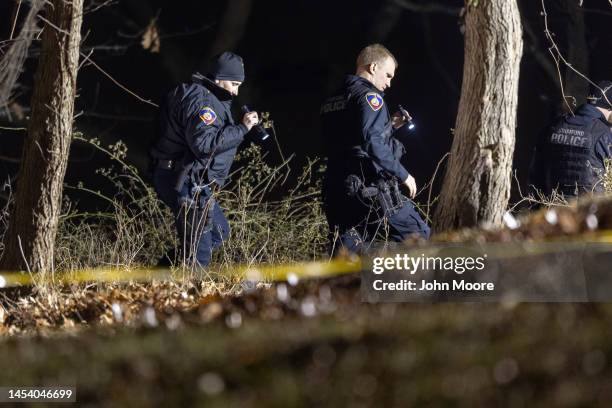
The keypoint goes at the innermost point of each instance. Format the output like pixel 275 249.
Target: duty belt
pixel 386 192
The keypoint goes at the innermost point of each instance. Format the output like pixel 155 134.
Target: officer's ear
pixel 373 67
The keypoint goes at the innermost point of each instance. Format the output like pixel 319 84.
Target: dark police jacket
pixel 570 154
pixel 198 131
pixel 356 128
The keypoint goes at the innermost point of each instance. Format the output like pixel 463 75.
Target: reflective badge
pixel 207 115
pixel 374 100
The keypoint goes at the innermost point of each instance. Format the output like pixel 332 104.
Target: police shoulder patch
pixel 207 115
pixel 374 100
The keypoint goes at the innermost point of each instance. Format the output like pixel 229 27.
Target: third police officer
pixel 570 154
pixel 360 190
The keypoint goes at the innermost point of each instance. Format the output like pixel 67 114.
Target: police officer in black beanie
pixel 195 151
pixel 570 154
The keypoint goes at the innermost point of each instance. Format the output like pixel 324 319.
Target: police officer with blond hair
pixel 360 189
pixel 195 151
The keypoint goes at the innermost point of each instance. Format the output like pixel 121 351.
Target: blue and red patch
pixel 207 115
pixel 374 100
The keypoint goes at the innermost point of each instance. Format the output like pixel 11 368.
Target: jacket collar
pixel 359 81
pixel 208 83
pixel 592 112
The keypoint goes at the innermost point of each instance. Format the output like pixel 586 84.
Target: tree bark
pixel 476 186
pixel 29 242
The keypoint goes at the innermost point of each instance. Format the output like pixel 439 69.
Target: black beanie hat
pixel 227 66
pixel 597 97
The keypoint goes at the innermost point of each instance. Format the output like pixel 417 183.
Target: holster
pixel 389 197
pixel 387 193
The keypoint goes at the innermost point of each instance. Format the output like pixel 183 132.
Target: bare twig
pixel 431 182
pixel 95 7
pixel 558 56
pixel 25 261
pixel 15 16
pixel 539 56
pixel 10 159
pixel 12 128
pixel 61 30
pixel 117 82
pixel 14 57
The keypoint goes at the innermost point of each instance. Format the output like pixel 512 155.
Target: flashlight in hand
pixel 259 132
pixel 407 117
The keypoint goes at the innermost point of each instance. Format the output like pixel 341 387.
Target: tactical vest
pixel 572 164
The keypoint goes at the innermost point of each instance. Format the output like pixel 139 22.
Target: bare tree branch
pixel 117 82
pixel 13 59
pixel 558 57
pixel 15 15
pixel 540 57
pixel 95 6
pixel 16 129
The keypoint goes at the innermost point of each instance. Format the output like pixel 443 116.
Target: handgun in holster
pixel 386 198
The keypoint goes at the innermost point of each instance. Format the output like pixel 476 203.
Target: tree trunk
pixel 476 186
pixel 30 239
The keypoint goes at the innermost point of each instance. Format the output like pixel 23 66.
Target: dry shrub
pixel 138 230
pixel 135 230
pixel 269 230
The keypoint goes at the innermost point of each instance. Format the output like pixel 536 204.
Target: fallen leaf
pixel 150 38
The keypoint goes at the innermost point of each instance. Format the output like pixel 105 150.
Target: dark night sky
pixel 295 53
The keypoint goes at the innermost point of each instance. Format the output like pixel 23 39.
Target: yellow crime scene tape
pixel 307 270
pixel 290 272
